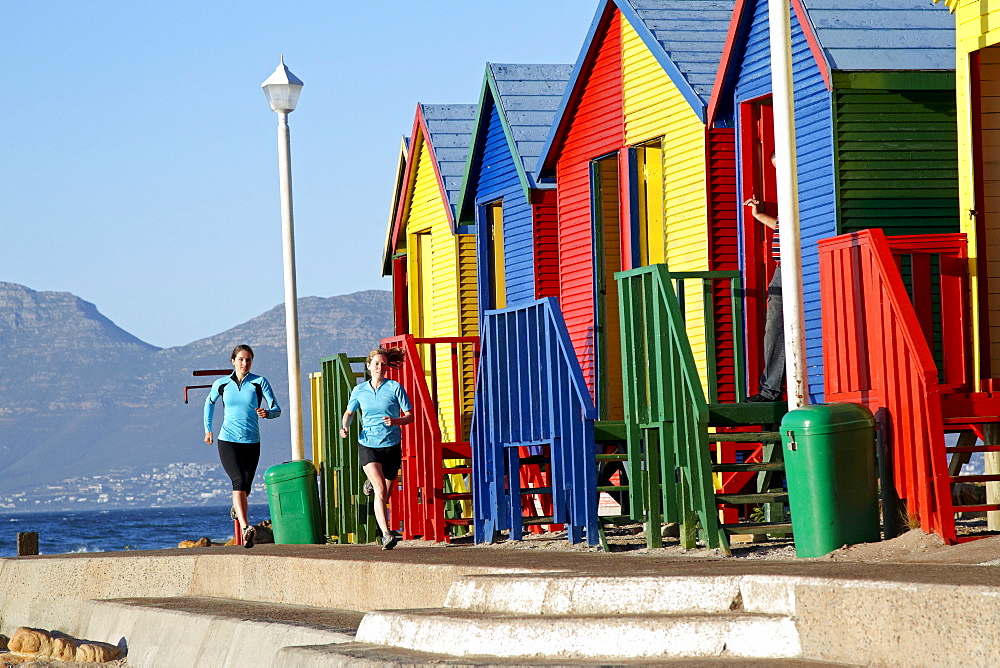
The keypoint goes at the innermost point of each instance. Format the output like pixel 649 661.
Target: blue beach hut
pixel 875 134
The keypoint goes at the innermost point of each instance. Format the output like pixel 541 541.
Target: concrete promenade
pixel 285 605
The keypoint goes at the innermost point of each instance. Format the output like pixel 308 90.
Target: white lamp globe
pixel 282 89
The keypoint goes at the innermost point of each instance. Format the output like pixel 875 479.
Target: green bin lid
pixel 827 418
pixel 289 470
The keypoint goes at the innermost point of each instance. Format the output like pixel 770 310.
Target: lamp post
pixel 282 90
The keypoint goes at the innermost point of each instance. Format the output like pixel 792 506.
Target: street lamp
pixel 282 90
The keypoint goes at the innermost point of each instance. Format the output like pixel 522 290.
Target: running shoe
pixel 389 541
pixel 367 488
pixel 248 536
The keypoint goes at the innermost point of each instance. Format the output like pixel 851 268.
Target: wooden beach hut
pixel 514 215
pixel 512 211
pixel 873 88
pixel 627 150
pixel 437 315
pixel 922 352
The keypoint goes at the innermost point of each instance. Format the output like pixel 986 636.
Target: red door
pixel 759 181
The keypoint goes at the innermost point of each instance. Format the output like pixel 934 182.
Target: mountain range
pixel 82 396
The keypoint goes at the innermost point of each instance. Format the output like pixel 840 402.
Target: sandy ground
pixel 630 541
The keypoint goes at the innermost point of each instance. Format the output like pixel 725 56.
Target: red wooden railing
pixel 876 351
pixel 423 445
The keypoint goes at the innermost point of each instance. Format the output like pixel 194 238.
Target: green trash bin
pixel 830 466
pixel 293 498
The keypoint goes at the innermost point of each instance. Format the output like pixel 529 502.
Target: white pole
pixel 796 371
pixel 291 300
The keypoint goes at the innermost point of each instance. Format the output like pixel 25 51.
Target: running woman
pixel 239 438
pixel 385 407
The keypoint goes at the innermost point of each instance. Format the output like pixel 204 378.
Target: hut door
pixel 647 174
pixel 758 179
pixel 606 207
pixel 985 80
pixel 495 256
pixel 421 290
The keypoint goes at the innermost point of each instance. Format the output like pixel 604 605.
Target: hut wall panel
pixel 595 129
pixel 427 213
pixel 977 26
pixel 897 158
pixel 814 147
pixel 496 178
pixel 654 107
pixel 544 204
pixel 989 119
pixel 723 247
pixel 817 207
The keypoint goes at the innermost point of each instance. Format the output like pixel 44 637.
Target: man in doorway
pixel 773 376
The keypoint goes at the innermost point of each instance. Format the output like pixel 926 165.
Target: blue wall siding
pixel 495 177
pixel 817 202
pixel 814 147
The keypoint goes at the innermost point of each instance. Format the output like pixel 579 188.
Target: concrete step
pixel 561 594
pixel 568 594
pixel 203 631
pixel 584 637
pixel 367 655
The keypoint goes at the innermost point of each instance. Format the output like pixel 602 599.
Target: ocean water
pixel 120 529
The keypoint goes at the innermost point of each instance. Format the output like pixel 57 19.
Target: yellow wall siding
pixel 436 297
pixel 654 107
pixel 977 26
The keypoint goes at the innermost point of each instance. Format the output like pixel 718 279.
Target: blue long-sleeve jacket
pixel 242 399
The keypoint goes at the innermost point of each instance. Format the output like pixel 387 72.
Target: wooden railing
pixel 424 468
pixel 876 352
pixel 666 409
pixel 530 394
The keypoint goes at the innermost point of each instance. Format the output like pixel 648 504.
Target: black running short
pixel 240 461
pixel 390 458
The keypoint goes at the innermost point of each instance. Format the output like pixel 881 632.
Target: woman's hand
pixel 343 432
pixel 262 412
pixel 208 438
pixel 388 421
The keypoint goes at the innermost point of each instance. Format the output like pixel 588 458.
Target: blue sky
pixel 139 164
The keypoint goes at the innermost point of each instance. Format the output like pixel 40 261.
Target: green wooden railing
pixel 348 513
pixel 666 408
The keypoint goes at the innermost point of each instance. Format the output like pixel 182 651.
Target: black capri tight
pixel 240 461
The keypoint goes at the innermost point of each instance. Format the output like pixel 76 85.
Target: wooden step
pixel 746 437
pixel 973 448
pixel 538 519
pixel 969 537
pixel 613 488
pixel 535 490
pixel 739 415
pixel 456 496
pixel 459 521
pixel 615 457
pixel 758 528
pixel 743 468
pixel 983 508
pixel 460 470
pixel 760 498
pixel 974 478
pixel 609 430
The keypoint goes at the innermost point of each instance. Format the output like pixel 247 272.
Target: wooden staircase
pixel 673 422
pixel 766 471
pixel 903 348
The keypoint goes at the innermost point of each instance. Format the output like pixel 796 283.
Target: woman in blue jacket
pixel 385 408
pixel 239 438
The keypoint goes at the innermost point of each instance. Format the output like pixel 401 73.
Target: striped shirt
pixel 776 243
